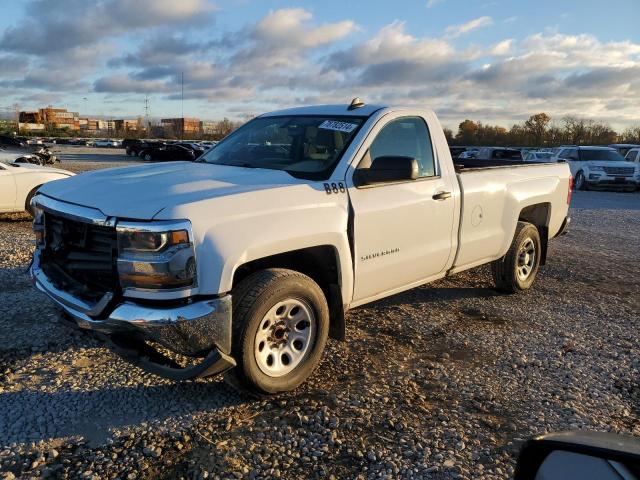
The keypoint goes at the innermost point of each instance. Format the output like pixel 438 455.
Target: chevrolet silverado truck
pixel 246 260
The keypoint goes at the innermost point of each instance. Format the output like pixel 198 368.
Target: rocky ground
pixel 444 381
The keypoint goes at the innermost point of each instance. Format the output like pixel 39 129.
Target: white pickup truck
pixel 246 260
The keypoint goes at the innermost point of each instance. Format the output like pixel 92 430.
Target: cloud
pixel 431 3
pixel 455 31
pixel 502 48
pixel 51 28
pixel 127 84
pixel 288 56
pixel 271 53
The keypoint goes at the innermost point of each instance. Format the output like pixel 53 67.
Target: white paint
pixel 16 181
pixel 402 236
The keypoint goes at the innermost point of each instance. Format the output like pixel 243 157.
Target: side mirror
pixel 387 169
pixel 579 456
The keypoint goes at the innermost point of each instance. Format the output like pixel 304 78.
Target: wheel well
pixel 30 195
pixel 539 215
pixel 320 263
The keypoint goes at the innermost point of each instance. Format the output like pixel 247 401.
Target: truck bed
pixel 494 193
pixel 466 164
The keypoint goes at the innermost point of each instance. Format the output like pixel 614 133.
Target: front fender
pixel 231 231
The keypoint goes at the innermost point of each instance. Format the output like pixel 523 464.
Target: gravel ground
pixel 444 381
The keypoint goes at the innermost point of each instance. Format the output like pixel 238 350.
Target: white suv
pixel 599 167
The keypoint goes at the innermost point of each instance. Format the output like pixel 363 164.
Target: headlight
pixel 38 223
pixel 597 168
pixel 156 256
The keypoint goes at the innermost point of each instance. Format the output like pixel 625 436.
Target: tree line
pixel 540 131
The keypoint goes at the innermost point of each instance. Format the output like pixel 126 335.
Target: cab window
pixel 406 137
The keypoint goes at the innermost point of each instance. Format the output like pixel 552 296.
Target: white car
pixel 248 258
pixel 538 156
pixel 600 167
pixel 107 143
pixel 20 181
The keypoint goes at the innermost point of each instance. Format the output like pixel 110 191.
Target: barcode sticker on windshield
pixel 339 126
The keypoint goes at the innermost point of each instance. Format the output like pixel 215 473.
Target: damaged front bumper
pixel 200 329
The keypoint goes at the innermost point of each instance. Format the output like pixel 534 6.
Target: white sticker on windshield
pixel 339 126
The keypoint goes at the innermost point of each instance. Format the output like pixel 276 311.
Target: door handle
pixel 441 195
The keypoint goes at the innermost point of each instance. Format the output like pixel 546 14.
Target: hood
pixel 141 192
pixel 40 168
pixel 604 163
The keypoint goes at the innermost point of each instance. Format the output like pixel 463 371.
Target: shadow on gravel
pixel 430 294
pixel 32 415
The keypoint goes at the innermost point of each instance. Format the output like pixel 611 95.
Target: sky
pixel 494 61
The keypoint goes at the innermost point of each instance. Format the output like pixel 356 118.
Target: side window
pixel 573 154
pixel 631 156
pixel 406 137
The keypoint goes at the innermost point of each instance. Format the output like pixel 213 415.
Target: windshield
pixel 601 155
pixel 304 146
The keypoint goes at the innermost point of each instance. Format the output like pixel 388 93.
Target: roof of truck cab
pixel 337 110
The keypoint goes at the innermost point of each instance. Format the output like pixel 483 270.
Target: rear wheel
pixel 517 270
pixel 280 328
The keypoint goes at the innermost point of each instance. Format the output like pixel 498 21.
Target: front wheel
pixel 580 182
pixel 280 328
pixel 148 157
pixel 517 270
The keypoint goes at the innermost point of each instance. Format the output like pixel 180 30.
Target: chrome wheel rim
pixel 526 259
pixel 579 180
pixel 284 336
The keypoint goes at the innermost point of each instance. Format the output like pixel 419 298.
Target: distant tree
pixel 631 135
pixel 536 126
pixel 448 134
pixel 467 131
pixel 575 129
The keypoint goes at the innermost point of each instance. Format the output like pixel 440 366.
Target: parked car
pixel 623 148
pixel 469 153
pixel 499 153
pixel 132 146
pixel 538 156
pixel 248 258
pixel 633 155
pixel 20 181
pixel 109 143
pixel 8 141
pixel 146 145
pixel 600 167
pixel 13 157
pixel 196 148
pixel 169 153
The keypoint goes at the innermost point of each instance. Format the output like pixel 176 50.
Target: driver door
pixel 402 230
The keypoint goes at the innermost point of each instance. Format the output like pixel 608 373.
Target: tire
pixel 269 307
pixel 580 183
pixel 148 157
pixel 517 269
pixel 27 203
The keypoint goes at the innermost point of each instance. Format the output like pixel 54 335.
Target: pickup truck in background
pixel 246 260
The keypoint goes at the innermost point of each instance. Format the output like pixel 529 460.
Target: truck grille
pixel 80 255
pixel 621 171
